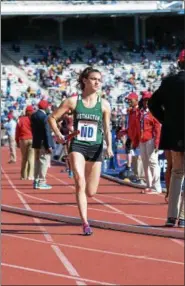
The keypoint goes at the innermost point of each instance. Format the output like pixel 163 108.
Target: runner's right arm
pixel 69 103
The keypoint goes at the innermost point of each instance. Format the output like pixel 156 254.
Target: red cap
pixel 30 108
pixel 10 116
pixel 43 104
pixel 132 95
pixel 181 57
pixel 146 95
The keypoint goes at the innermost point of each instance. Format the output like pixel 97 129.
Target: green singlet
pixel 89 121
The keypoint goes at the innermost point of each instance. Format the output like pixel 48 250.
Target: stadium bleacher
pixel 125 67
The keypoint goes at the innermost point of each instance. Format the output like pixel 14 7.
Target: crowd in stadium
pixel 57 69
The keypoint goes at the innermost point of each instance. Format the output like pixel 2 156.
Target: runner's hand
pixel 109 152
pixel 60 139
pixel 49 150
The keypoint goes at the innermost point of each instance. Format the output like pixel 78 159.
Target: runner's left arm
pixel 106 124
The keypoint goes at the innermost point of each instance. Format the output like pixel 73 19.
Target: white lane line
pixel 36 198
pixel 61 181
pixel 63 259
pixel 54 274
pixel 107 205
pixel 56 202
pixel 80 283
pixel 181 243
pixel 98 250
pixel 89 208
pixel 119 211
pixel 144 216
pixel 123 199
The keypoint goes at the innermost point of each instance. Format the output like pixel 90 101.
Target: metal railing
pixel 67 2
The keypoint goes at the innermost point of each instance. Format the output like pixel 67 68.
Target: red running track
pixel 41 252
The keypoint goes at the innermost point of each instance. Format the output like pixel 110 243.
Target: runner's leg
pixel 92 177
pixel 78 163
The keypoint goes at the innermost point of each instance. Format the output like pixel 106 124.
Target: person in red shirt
pixel 150 130
pixel 132 130
pixel 23 138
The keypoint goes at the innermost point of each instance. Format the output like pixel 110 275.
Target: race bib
pixel 88 131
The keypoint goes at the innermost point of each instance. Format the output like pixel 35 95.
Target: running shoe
pixel 70 174
pixel 171 221
pixel 35 184
pixel 44 187
pixel 64 171
pixel 87 230
pixel 181 223
pixel 135 180
pixel 149 192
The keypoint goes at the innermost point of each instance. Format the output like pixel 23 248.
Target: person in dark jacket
pixel 167 105
pixel 43 145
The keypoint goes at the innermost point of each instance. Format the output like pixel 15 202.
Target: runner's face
pixel 93 81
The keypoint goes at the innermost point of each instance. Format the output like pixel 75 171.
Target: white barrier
pixel 137 229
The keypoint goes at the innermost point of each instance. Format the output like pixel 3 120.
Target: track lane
pixel 128 244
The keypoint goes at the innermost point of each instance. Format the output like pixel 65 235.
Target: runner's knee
pixel 90 192
pixel 79 181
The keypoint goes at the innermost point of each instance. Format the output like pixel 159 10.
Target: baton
pixel 69 137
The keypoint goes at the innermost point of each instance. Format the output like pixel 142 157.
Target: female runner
pixel 91 115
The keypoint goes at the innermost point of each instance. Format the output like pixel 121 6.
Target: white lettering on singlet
pixel 88 116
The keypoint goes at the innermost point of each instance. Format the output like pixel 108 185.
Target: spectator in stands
pixel 43 145
pixel 169 110
pixel 8 86
pixel 114 118
pixel 10 128
pixel 24 141
pixel 149 129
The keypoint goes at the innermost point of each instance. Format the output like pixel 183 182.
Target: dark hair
pixel 85 74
